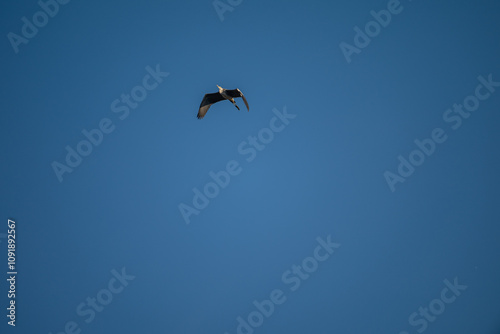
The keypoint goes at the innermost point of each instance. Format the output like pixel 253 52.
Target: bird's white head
pixel 220 88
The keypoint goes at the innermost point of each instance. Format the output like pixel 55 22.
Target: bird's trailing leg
pixel 232 100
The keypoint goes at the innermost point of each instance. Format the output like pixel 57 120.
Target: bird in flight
pixel 222 94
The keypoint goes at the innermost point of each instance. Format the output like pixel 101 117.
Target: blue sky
pixel 312 229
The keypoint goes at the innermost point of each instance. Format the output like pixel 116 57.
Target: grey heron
pixel 222 94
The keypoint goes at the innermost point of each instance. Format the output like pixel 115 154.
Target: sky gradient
pixel 358 195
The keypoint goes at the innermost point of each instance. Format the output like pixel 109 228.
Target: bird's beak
pixel 218 86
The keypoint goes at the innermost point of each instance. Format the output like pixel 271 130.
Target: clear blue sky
pixel 314 199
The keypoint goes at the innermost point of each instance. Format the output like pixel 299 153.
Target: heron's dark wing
pixel 237 93
pixel 207 101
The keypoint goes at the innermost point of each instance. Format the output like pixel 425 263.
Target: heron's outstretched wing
pixel 237 93
pixel 207 101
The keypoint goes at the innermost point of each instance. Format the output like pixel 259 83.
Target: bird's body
pixel 223 94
